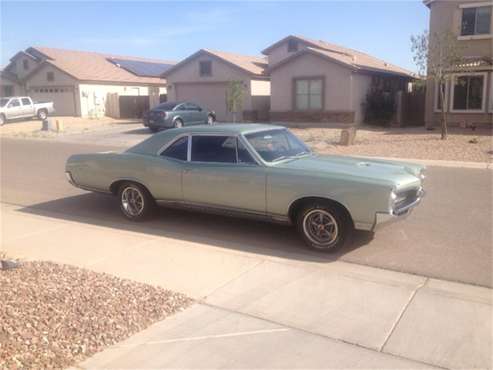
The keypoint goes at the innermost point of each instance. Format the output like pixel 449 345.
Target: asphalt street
pixel 449 236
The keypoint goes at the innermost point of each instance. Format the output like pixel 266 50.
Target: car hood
pixel 400 174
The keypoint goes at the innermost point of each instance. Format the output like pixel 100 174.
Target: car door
pixel 221 174
pixel 14 109
pixel 197 114
pixel 27 108
pixel 182 112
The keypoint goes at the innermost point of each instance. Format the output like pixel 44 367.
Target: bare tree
pixel 437 56
pixel 234 97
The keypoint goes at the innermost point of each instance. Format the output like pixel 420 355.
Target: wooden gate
pixel 133 106
pixel 413 108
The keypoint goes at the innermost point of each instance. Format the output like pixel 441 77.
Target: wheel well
pixel 298 204
pixel 116 185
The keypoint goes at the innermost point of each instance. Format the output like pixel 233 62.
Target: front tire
pixel 136 203
pixel 323 226
pixel 42 114
pixel 178 123
pixel 210 120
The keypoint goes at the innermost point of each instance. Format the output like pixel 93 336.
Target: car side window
pixel 177 150
pixel 244 155
pixel 194 107
pixel 14 103
pixel 25 101
pixel 216 149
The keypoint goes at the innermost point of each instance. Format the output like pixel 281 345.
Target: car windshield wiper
pixel 302 153
pixel 280 158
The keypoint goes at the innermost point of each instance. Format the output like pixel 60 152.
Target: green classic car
pixel 253 170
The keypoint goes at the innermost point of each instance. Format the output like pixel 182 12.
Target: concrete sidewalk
pixel 260 311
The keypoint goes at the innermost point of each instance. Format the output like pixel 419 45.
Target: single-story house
pixel 203 78
pixel 314 81
pixel 84 83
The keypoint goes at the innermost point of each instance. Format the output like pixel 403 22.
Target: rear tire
pixel 42 114
pixel 324 226
pixel 136 203
pixel 210 120
pixel 3 120
pixel 178 123
pixel 153 129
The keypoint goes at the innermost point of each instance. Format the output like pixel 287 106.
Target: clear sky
pixel 173 30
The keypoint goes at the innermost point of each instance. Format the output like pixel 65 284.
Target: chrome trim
pixel 223 211
pixel 384 218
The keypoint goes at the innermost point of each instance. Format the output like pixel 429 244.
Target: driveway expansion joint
pixel 401 314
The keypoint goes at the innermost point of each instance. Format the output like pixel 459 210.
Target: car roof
pixel 151 145
pixel 227 128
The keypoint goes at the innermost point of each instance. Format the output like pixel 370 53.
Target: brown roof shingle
pixel 348 56
pixel 92 66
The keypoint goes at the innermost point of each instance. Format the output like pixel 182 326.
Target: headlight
pixel 422 174
pixel 395 199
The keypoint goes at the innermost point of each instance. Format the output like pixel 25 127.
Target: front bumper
pixel 386 218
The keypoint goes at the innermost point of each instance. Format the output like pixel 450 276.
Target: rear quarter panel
pixel 98 171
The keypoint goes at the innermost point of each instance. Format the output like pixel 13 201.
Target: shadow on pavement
pixel 225 232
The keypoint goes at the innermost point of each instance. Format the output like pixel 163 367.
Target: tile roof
pixel 92 66
pixel 255 65
pixel 351 57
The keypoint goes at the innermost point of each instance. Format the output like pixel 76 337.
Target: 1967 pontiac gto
pixel 253 170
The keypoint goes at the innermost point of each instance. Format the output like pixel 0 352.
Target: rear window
pixel 177 150
pixel 166 106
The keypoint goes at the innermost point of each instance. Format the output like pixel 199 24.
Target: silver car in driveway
pixel 177 114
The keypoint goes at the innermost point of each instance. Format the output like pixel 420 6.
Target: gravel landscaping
pixel 414 143
pixel 53 316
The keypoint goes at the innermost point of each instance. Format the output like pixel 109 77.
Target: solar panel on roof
pixel 142 69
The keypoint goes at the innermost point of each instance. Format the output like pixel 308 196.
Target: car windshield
pixel 166 106
pixel 3 102
pixel 276 145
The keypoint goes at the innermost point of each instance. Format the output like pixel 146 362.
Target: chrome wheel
pixel 42 115
pixel 132 201
pixel 321 228
pixel 178 123
pixel 210 120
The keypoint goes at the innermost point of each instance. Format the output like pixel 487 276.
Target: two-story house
pixel 469 94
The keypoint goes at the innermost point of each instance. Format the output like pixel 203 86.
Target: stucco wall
pixel 337 83
pixel 446 16
pixel 18 66
pixel 93 96
pixel 260 88
pixel 221 72
pixel 17 90
pixel 39 78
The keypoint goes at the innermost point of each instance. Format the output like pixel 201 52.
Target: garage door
pixel 211 96
pixel 62 98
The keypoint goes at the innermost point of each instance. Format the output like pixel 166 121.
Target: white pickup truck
pixel 23 107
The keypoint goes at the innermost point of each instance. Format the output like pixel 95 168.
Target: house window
pixel 205 68
pixel 438 97
pixel 25 64
pixel 292 45
pixel 50 76
pixel 476 21
pixel 468 92
pixel 308 94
